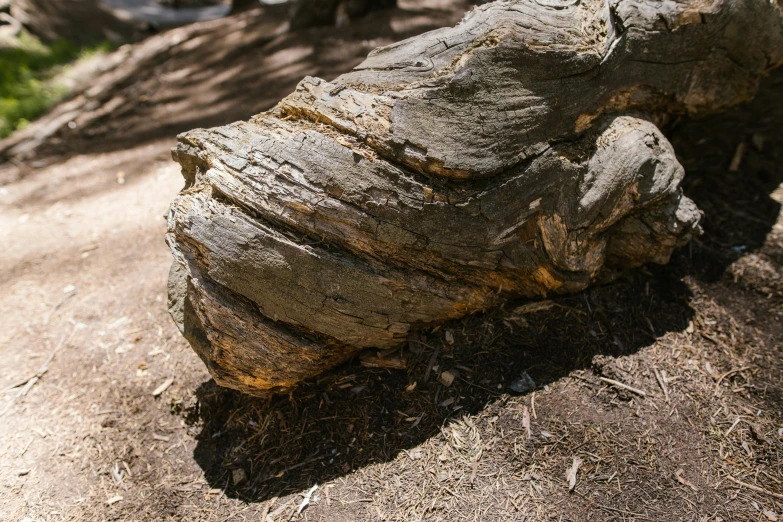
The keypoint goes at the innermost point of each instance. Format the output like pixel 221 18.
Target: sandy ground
pixel 693 431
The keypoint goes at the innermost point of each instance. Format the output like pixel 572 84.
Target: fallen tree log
pixel 83 21
pixel 514 155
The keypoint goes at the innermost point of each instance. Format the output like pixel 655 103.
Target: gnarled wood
pixel 516 154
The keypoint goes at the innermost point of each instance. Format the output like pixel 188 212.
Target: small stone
pixel 524 384
pixel 446 378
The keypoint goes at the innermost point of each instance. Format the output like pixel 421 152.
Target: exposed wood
pixel 514 155
pixel 373 360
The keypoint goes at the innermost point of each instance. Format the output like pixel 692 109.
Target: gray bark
pixel 514 155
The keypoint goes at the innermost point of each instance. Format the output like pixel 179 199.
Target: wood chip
pixel 306 499
pixel 163 387
pixel 526 421
pixel 393 363
pixel 114 500
pixel 739 153
pixel 571 473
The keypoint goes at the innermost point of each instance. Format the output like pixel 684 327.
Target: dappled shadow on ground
pixel 356 416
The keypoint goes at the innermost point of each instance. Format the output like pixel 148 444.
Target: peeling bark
pixel 514 155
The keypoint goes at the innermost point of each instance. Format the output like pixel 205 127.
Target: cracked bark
pixel 514 155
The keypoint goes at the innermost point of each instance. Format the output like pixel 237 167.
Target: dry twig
pixel 757 489
pixel 623 386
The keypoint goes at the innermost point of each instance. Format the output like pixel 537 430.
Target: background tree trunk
pixel 310 13
pixel 515 155
pixel 238 6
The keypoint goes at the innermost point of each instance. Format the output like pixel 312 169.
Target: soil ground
pixel 692 432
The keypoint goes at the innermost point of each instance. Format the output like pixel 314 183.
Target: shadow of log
pixel 354 416
pixel 738 209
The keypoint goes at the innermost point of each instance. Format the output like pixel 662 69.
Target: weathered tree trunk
pixel 516 154
pixel 310 13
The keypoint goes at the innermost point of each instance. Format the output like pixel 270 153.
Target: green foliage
pixel 28 83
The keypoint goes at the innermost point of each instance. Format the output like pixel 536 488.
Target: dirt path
pixel 83 275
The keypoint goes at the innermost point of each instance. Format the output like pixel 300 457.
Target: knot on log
pixel 514 155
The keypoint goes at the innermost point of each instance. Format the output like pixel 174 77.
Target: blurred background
pixel 116 418
pixel 49 50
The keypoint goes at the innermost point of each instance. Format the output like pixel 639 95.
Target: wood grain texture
pixel 514 155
